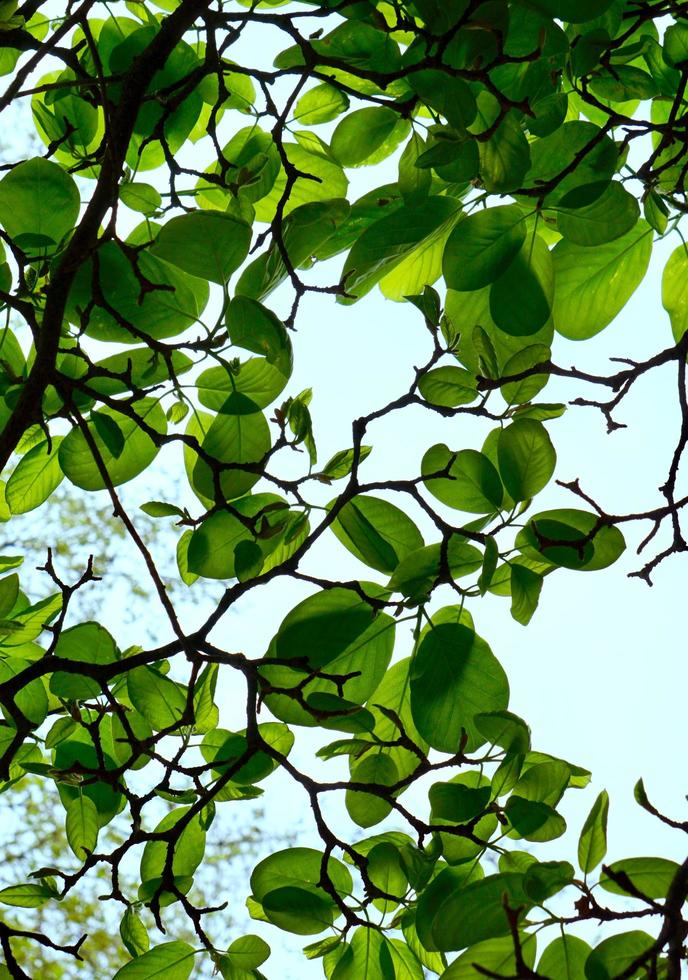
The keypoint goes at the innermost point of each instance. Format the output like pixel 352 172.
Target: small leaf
pixel 592 844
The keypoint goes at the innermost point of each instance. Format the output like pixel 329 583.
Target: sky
pixel 599 674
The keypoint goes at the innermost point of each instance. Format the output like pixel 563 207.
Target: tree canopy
pixel 187 190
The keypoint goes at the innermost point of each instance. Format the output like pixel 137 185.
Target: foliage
pixel 184 180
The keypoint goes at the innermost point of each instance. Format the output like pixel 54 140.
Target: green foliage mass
pixel 517 160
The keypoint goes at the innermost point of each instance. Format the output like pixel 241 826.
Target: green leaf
pixel 134 933
pixel 612 215
pixel 565 958
pixel 110 433
pixel 526 458
pixel 474 913
pixel 320 104
pixel 256 328
pixel 29 896
pixel 505 157
pixel 544 879
pixel 580 151
pixel 158 508
pixel 362 956
pixel 565 537
pixel 239 439
pixel 286 884
pixel 165 311
pixel 35 477
pixel 256 519
pixel 496 955
pixel 186 847
pixel 526 586
pixel 140 197
pixel 482 245
pixel 675 291
pixel 206 244
pixel 593 286
pixel 504 729
pixel 82 826
pixel 170 961
pixel 614 955
pixel 454 676
pixel 448 386
pixel 39 204
pixel 592 843
pixel 472 483
pixel 161 701
pixel 303 232
pixel 341 464
pixel 82 466
pixel 248 952
pixel 387 242
pixel 367 135
pixel 676 44
pixel 652 876
pixel 368 809
pixel 376 531
pixel 530 277
pixel 532 819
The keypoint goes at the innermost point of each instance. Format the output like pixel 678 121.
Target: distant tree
pixel 184 177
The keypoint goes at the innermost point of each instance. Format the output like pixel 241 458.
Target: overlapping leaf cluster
pixel 181 182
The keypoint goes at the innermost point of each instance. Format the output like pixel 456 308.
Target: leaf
pixel 248 952
pixel 206 244
pixel 526 458
pixel 82 466
pixel 40 201
pixel 675 291
pixel 614 955
pixel 565 537
pixel 565 958
pixel 186 847
pixel 29 896
pixel 171 961
pixel 336 628
pixel 482 245
pixel 376 531
pixel 158 508
pixel 140 197
pixel 386 243
pixel 160 700
pixel 34 478
pixel 341 464
pixel 652 876
pixel 134 933
pixel 472 483
pixel 612 215
pixel 530 276
pixel 82 826
pixel 594 286
pixel 286 884
pixel 592 843
pixel 173 301
pixel 448 386
pixel 321 104
pixel 367 135
pixel 368 809
pixel 473 913
pixel 256 328
pixel 454 676
pixel 496 955
pixel 526 586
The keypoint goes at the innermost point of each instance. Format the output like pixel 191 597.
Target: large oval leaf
pixel 83 465
pixel 454 676
pixel 594 285
pixel 482 245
